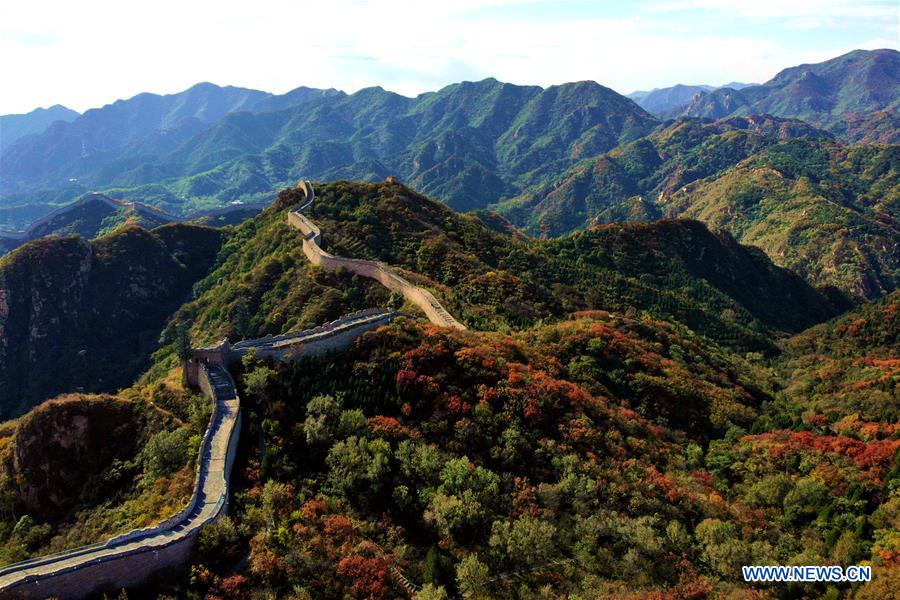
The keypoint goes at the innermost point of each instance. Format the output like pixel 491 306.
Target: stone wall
pixel 312 248
pixel 335 337
pixel 107 574
pixel 135 558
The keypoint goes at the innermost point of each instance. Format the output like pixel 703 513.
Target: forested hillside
pixel 491 279
pixel 626 415
pixel 92 310
pixel 824 210
pixel 592 456
pixel 468 143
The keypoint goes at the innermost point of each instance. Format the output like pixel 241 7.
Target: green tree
pixel 240 317
pixel 528 541
pixel 167 452
pixel 464 498
pixel 472 577
pixel 183 341
pixel 805 500
pixel 431 592
pixel 322 419
pixel 257 383
pixel 358 464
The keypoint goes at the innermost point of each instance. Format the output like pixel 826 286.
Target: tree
pixel 166 452
pixel 240 317
pixel 395 301
pixel 357 464
pixel 199 410
pixel 322 418
pixel 217 541
pixel 805 501
pixel 472 577
pixel 528 541
pixel 456 514
pixel 431 592
pixel 463 499
pixel 722 551
pixel 370 578
pixel 183 341
pixel 257 382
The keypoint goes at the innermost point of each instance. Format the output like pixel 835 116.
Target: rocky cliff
pixel 91 312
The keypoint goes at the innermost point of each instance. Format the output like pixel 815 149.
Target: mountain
pixel 94 310
pixel 66 150
pixel 13 127
pixel 662 100
pixel 494 280
pixel 832 94
pixel 89 216
pixel 826 211
pixel 774 183
pixel 737 85
pixel 96 214
pixel 671 101
pixel 632 176
pixel 856 83
pixel 294 97
pixel 606 423
pixel 715 104
pixel 468 143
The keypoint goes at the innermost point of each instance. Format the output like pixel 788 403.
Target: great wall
pixel 132 559
pixel 312 247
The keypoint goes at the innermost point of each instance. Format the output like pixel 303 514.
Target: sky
pixel 89 53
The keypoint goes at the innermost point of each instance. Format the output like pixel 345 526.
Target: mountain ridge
pixel 15 126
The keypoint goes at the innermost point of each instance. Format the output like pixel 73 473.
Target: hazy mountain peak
pixel 13 127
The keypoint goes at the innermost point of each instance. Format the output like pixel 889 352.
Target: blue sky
pixel 89 53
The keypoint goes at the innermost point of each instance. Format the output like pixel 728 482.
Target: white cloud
pixel 88 53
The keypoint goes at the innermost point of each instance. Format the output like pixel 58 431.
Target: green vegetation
pixel 628 415
pixel 597 457
pixel 826 211
pixel 846 370
pixel 489 279
pixel 468 143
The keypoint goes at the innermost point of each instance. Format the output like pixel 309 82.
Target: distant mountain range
pixel 13 127
pixel 661 101
pixel 467 144
pixel 778 184
pixel 835 95
pixel 553 160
